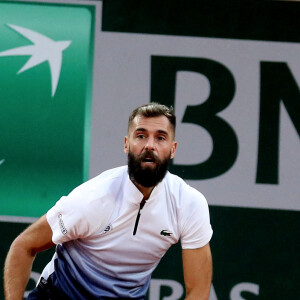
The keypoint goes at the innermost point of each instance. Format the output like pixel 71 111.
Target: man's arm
pixel 197 268
pixel 18 264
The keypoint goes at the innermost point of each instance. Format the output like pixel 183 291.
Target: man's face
pixel 150 145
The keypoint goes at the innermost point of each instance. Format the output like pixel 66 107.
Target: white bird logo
pixel 2 161
pixel 43 49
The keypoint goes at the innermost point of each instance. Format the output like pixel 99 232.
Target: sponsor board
pixel 45 83
pixel 236 96
pixel 238 124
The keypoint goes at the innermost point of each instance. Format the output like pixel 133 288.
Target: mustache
pixel 148 155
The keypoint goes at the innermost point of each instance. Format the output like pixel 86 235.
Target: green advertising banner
pixel 46 54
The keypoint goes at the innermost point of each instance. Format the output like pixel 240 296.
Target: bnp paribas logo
pixel 43 49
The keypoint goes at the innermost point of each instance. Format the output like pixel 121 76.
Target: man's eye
pixel 140 136
pixel 161 138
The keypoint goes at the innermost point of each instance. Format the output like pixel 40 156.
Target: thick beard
pixel 146 176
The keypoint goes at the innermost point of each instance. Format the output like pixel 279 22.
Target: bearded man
pixel 111 232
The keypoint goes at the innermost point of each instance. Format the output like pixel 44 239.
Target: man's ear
pixel 126 145
pixel 173 149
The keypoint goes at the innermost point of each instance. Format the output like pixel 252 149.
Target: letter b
pixel 225 144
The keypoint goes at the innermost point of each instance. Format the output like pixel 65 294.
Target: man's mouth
pixel 148 160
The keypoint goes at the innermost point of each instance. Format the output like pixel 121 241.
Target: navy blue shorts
pixel 46 291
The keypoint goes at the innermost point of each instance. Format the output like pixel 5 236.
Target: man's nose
pixel 150 146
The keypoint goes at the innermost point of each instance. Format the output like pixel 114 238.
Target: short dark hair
pixel 154 109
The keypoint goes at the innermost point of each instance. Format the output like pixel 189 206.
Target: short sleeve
pixel 76 216
pixel 196 230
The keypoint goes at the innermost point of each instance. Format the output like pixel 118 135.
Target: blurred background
pixel 72 71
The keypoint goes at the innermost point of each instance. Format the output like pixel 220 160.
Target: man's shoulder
pixel 103 183
pixel 173 177
pixel 111 174
pixel 180 188
pixel 174 181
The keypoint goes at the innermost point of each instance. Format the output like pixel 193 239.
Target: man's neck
pixel 146 191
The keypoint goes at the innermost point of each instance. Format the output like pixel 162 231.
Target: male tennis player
pixel 111 232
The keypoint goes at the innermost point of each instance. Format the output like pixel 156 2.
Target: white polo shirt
pixel 98 255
